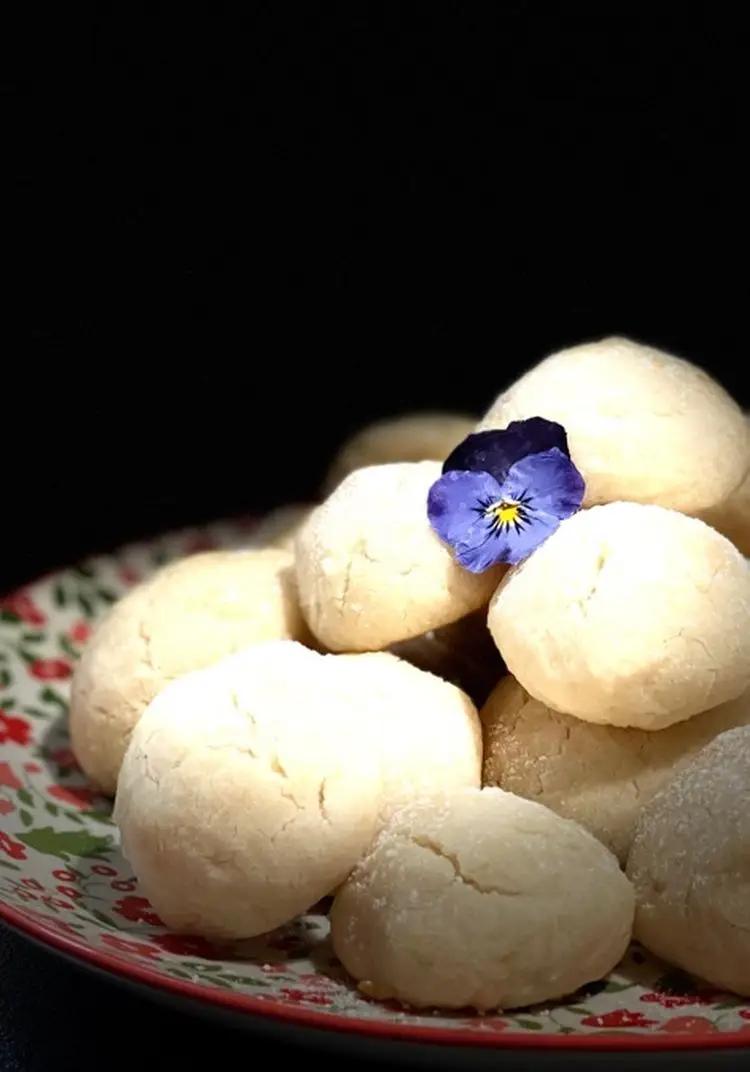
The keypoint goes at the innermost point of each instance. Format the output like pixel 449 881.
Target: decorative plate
pixel 63 880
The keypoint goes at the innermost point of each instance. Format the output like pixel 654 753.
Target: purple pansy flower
pixel 502 493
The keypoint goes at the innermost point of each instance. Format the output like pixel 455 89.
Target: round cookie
pixel 479 898
pixel 732 517
pixel 245 795
pixel 279 528
pixel 628 615
pixel 189 615
pixel 642 425
pixel 463 653
pixel 690 865
pixel 371 571
pixel 425 731
pixel 599 776
pixel 414 437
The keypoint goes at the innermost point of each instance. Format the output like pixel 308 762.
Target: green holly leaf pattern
pixel 104 919
pixel 86 605
pixel 99 817
pixel 67 647
pixel 240 980
pixel 25 817
pixel 35 712
pixel 65 843
pixel 48 695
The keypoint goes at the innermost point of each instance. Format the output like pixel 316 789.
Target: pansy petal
pixel 495 451
pixel 548 483
pixel 454 503
pixel 514 545
pixel 482 548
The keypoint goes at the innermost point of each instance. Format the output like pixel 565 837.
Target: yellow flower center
pixel 504 512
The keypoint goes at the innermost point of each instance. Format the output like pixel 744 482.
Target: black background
pixel 253 232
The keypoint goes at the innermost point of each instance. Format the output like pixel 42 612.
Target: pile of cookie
pixel 492 694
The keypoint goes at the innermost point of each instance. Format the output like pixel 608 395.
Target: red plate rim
pixel 268 1007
